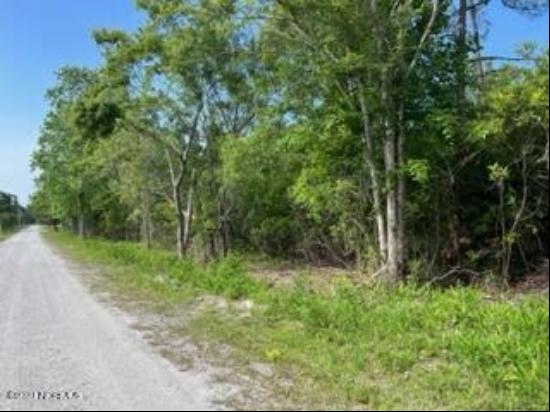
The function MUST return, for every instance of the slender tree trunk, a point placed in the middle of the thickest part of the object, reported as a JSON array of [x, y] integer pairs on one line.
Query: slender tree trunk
[[453, 221], [145, 227], [145, 200], [225, 240], [368, 158], [177, 183], [390, 152], [462, 51], [188, 214], [212, 245], [180, 222], [391, 204], [461, 70], [223, 226], [393, 214], [80, 218], [81, 224], [401, 196], [508, 235], [502, 226], [477, 40]]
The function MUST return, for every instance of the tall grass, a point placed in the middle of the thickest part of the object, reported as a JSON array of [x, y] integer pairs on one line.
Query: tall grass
[[384, 348], [159, 272]]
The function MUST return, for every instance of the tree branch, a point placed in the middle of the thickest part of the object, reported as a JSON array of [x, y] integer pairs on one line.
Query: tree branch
[[501, 58], [425, 35]]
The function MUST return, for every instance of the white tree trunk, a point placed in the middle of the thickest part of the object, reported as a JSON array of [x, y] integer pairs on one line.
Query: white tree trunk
[[391, 204], [368, 157]]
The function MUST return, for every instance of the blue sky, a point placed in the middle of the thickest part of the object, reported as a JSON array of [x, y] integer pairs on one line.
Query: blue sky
[[36, 38], [39, 36]]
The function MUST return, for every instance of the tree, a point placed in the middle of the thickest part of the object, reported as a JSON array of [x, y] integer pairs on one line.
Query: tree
[[367, 52], [337, 131]]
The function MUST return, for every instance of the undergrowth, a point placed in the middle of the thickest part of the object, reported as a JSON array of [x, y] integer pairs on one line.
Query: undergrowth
[[381, 347]]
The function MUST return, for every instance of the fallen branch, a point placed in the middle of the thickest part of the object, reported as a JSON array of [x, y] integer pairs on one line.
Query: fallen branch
[[457, 270]]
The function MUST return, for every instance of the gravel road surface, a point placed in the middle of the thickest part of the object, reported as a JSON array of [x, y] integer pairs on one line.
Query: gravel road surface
[[60, 349]]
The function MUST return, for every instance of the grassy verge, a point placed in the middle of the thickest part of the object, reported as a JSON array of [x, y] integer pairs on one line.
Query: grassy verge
[[6, 233], [354, 346]]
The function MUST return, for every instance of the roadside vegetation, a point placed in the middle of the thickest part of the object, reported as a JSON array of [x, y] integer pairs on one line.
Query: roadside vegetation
[[12, 215], [374, 136], [4, 234], [349, 344]]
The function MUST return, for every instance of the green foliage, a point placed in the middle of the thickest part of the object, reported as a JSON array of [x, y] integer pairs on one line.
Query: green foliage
[[257, 172], [8, 212], [319, 131], [161, 272], [419, 170], [497, 173], [326, 131], [227, 277], [406, 348], [216, 132]]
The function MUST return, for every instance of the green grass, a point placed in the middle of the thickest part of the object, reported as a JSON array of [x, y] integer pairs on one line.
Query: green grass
[[371, 346], [6, 233]]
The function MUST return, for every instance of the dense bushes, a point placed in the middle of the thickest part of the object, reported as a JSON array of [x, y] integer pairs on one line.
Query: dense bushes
[[12, 213], [315, 140]]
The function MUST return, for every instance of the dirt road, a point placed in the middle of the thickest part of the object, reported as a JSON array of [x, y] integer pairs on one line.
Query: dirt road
[[60, 349]]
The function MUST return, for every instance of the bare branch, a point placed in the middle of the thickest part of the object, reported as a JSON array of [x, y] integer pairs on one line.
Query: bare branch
[[458, 270], [425, 35], [141, 130], [501, 58], [480, 3]]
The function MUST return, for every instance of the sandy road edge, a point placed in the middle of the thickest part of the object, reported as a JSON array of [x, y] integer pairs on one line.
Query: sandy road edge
[[240, 386]]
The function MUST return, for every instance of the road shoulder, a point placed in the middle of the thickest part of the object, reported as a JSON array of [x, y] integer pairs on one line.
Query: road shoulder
[[168, 329]]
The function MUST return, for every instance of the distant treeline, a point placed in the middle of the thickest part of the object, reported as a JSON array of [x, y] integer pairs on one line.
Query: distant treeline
[[11, 212]]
